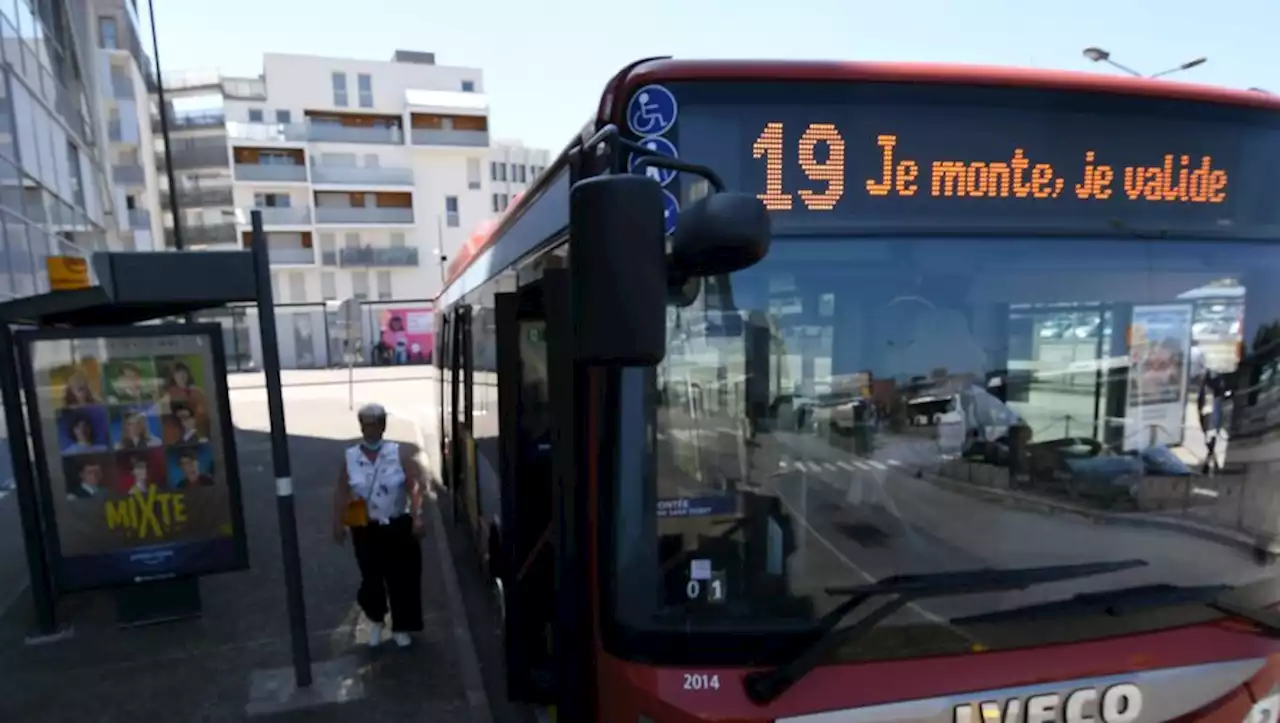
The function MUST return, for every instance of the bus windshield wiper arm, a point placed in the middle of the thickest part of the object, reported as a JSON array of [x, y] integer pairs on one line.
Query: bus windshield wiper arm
[[1126, 601], [765, 686]]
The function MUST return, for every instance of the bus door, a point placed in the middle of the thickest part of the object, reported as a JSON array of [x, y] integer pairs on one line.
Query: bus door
[[526, 571], [460, 424]]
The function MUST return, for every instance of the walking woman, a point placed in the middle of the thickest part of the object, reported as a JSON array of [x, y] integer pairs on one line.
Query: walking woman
[[379, 498]]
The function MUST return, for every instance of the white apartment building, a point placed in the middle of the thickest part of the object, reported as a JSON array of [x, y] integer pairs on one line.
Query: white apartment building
[[123, 93], [369, 176]]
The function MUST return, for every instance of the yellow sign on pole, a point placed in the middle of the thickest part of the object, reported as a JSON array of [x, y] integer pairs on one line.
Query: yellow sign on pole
[[68, 272]]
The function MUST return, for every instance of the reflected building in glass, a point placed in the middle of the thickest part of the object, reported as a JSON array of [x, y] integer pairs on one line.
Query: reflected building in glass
[[57, 159]]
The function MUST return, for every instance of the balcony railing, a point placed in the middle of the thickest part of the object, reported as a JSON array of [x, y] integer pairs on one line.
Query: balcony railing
[[201, 235], [185, 158], [363, 215], [276, 215], [353, 134], [122, 86], [294, 132], [203, 198], [439, 137], [129, 174], [287, 255], [370, 256], [139, 218], [269, 172], [321, 173], [205, 119]]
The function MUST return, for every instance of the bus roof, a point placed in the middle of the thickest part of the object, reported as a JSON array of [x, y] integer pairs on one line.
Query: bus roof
[[659, 70]]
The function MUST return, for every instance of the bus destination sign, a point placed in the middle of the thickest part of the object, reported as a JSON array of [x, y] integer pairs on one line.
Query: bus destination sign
[[974, 166]]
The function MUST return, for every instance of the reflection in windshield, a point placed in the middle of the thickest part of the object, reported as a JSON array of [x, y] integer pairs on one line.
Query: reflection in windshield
[[857, 409]]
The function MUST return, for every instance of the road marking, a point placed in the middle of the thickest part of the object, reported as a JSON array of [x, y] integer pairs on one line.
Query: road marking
[[846, 466], [876, 464], [861, 464], [893, 462], [867, 576], [831, 467]]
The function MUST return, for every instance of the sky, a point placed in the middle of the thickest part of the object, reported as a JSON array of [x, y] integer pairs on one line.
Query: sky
[[545, 63]]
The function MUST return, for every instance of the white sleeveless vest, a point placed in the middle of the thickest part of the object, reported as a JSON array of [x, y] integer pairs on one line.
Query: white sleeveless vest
[[380, 483]]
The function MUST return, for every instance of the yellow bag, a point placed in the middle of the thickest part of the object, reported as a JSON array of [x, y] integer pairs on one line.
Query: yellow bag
[[357, 514]]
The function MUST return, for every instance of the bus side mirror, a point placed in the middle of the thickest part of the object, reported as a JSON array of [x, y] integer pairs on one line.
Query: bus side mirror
[[618, 264], [719, 234]]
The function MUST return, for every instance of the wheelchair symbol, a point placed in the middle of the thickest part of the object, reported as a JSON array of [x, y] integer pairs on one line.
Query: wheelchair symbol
[[652, 111]]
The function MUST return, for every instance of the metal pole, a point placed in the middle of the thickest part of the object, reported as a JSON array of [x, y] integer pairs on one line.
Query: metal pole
[[280, 458], [28, 496], [164, 133]]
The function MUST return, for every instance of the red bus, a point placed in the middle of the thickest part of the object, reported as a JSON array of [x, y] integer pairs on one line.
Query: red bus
[[631, 363]]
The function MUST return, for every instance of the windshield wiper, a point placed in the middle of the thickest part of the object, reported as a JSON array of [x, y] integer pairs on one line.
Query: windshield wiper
[[765, 686], [1223, 599]]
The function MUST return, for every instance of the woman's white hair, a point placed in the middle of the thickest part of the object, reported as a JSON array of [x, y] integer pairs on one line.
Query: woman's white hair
[[372, 412]]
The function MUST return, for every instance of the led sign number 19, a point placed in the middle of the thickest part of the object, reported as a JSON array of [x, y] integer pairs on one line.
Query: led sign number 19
[[770, 146]]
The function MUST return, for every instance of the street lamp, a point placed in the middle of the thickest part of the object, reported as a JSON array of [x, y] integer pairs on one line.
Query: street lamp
[[1098, 55]]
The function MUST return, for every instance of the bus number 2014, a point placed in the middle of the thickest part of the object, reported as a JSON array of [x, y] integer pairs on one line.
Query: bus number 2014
[[701, 681]]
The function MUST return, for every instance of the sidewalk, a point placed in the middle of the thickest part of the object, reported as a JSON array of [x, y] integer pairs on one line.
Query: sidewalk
[[223, 666]]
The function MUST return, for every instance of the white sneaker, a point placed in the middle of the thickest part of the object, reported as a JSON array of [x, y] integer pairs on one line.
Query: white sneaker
[[402, 639], [375, 634]]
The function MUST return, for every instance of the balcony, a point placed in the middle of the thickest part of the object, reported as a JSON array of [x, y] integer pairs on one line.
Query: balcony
[[270, 172], [130, 175], [268, 132], [194, 121], [334, 133], [287, 255], [139, 219], [199, 198], [349, 175], [201, 236], [439, 137], [370, 256], [122, 86], [186, 158], [276, 215], [364, 215]]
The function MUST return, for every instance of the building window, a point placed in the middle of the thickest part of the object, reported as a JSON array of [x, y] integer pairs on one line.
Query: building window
[[255, 115], [497, 205], [451, 218], [283, 116], [328, 251], [360, 285], [384, 285], [513, 172], [364, 82], [397, 240], [468, 86], [502, 171], [328, 286], [272, 200], [297, 287], [523, 171], [108, 33], [504, 202], [493, 171], [340, 89], [473, 173]]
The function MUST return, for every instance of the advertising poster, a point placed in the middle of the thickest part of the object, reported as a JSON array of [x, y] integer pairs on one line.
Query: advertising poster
[[134, 440], [406, 334], [1159, 350]]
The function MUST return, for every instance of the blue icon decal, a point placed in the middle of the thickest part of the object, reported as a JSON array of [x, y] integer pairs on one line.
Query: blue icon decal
[[660, 146], [652, 111], [670, 210]]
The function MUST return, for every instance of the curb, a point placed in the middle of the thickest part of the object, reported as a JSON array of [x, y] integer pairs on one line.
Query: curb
[[468, 660], [1222, 537]]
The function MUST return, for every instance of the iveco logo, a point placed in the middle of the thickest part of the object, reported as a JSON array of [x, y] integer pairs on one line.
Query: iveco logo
[[1117, 704]]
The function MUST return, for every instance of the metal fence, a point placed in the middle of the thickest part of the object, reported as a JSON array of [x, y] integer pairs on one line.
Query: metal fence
[[308, 337]]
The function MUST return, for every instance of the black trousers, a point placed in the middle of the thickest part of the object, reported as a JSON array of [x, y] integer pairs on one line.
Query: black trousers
[[390, 561]]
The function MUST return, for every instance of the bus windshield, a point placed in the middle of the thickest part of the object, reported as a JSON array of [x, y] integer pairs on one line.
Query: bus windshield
[[855, 408]]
